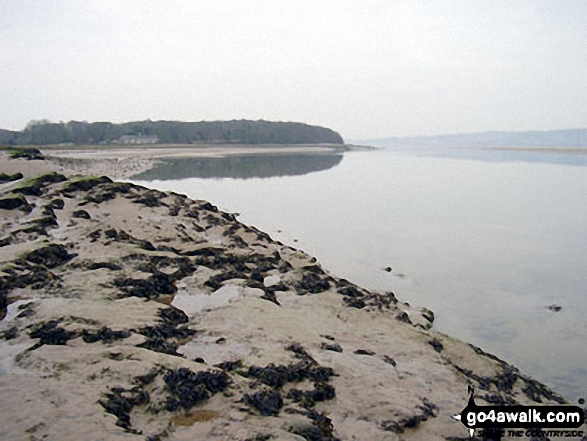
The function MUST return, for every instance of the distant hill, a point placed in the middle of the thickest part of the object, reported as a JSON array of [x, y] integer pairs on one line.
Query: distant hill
[[7, 136], [539, 139], [170, 132]]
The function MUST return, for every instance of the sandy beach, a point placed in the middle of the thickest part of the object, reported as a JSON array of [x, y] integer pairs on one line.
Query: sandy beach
[[130, 313]]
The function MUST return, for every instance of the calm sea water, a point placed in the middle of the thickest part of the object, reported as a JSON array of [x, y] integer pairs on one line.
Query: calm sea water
[[487, 240]]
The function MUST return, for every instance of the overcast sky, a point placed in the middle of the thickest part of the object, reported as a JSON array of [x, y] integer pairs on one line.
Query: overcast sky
[[364, 68]]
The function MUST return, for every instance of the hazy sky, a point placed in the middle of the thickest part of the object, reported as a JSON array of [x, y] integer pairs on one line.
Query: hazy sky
[[363, 68]]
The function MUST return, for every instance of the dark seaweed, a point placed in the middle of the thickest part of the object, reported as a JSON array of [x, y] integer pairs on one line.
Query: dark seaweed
[[49, 333], [105, 335], [267, 402], [188, 388], [120, 403]]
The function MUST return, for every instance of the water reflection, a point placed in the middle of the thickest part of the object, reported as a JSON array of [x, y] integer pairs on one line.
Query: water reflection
[[576, 157], [241, 167]]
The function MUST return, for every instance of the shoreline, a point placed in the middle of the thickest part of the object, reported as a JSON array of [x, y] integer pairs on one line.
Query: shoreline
[[124, 162], [274, 344]]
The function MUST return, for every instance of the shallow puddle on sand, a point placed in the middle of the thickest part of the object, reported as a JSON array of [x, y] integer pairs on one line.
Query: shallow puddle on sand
[[10, 350], [12, 310], [195, 416], [192, 303]]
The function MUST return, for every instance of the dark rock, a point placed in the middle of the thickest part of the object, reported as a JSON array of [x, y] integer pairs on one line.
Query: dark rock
[[210, 251], [300, 352], [388, 269], [279, 287], [26, 310], [56, 204], [10, 178], [13, 202], [269, 292], [51, 256], [428, 315], [260, 437], [41, 224], [95, 235], [335, 347], [267, 402], [107, 265], [215, 282], [85, 183], [81, 214], [98, 196], [229, 217], [28, 153], [312, 283], [173, 316], [111, 233], [105, 335], [209, 207], [50, 334], [364, 352], [256, 275], [36, 186], [389, 360], [436, 344], [120, 187], [314, 269], [151, 198], [488, 355], [229, 365], [350, 291], [404, 317], [10, 333], [354, 302]]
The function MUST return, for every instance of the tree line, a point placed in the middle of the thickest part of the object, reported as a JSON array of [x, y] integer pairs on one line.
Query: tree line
[[45, 132]]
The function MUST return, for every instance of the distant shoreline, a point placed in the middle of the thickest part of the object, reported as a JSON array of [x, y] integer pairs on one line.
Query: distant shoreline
[[125, 162]]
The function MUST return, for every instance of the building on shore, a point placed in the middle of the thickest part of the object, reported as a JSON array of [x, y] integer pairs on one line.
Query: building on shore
[[138, 139]]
